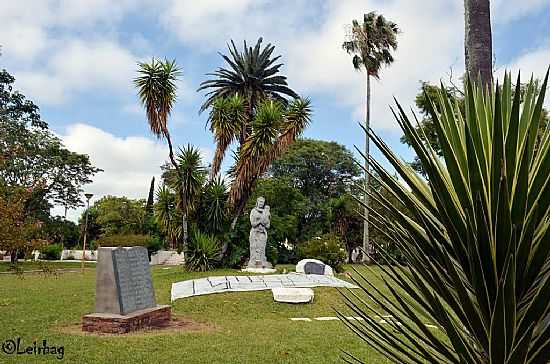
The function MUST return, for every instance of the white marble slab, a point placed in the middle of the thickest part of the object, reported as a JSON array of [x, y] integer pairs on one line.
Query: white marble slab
[[220, 284], [292, 295]]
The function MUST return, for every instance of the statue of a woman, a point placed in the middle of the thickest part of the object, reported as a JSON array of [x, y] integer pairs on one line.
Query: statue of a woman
[[259, 219]]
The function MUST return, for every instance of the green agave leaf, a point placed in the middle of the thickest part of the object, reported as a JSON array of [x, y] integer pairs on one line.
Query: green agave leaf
[[475, 237]]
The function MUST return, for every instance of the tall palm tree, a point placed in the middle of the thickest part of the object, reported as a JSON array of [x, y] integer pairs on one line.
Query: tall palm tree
[[156, 84], [252, 75], [478, 49], [370, 43]]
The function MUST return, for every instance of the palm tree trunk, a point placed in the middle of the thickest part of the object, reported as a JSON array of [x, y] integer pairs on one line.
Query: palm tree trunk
[[366, 244], [477, 43], [238, 212], [181, 192]]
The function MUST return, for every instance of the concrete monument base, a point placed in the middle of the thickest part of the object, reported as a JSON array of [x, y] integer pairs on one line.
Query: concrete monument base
[[111, 323], [259, 270]]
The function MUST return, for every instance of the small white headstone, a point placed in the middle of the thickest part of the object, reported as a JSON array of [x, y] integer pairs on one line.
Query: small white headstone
[[324, 269], [292, 295]]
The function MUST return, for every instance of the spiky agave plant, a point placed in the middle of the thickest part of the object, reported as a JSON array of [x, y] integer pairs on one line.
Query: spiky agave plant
[[203, 252], [476, 238]]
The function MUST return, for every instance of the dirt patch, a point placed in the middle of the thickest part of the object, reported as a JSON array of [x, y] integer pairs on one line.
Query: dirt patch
[[178, 324]]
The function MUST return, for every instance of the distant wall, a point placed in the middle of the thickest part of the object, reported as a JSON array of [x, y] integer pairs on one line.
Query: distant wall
[[77, 254]]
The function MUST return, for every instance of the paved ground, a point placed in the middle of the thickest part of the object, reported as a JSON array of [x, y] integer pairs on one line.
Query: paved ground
[[196, 287]]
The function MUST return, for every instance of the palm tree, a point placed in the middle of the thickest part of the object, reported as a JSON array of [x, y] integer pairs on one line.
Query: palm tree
[[478, 48], [188, 178], [213, 212], [167, 215], [476, 237], [253, 75], [274, 128], [227, 117], [371, 44], [156, 84]]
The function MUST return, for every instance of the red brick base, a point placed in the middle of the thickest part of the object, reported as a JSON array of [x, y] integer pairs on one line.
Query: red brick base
[[118, 324]]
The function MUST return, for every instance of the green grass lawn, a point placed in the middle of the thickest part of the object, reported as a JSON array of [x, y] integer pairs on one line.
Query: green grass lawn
[[247, 327]]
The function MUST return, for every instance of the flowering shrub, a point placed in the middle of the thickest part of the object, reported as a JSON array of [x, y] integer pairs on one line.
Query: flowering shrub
[[327, 248]]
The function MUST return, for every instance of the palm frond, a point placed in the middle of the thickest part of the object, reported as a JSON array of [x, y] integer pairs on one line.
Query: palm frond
[[156, 86], [371, 43], [227, 117], [251, 75]]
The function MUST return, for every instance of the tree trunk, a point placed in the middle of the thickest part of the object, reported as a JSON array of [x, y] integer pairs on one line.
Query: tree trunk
[[181, 192], [238, 212], [366, 244], [478, 49], [13, 256]]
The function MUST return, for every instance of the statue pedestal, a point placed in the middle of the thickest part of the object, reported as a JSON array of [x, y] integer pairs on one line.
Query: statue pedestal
[[259, 270], [260, 267]]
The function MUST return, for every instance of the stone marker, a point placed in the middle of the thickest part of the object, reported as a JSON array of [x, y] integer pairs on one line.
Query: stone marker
[[313, 266], [259, 221], [125, 298], [293, 295]]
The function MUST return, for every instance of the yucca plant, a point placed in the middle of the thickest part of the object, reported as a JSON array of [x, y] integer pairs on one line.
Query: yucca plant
[[476, 238], [167, 216], [213, 211], [274, 128], [202, 253]]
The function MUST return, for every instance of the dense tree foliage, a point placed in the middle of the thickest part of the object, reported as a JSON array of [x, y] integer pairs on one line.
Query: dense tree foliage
[[319, 169], [119, 215], [310, 189], [33, 156], [20, 233]]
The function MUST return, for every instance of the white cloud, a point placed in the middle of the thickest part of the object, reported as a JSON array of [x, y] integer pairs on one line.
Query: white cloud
[[504, 11], [57, 48], [310, 39], [210, 24], [534, 63], [422, 54], [77, 66], [128, 163]]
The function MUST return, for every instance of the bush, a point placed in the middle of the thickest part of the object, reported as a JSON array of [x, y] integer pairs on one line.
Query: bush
[[52, 252], [327, 248], [203, 252], [124, 240], [271, 252]]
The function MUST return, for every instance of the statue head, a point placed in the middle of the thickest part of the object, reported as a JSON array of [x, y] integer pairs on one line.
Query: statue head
[[260, 202]]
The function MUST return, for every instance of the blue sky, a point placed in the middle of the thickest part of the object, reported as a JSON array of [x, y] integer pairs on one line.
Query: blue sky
[[76, 59]]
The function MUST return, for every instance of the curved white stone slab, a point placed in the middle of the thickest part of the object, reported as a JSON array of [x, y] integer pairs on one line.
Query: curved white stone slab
[[202, 286]]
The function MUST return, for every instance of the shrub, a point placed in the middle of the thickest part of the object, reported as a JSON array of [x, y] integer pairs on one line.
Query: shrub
[[52, 252], [327, 248], [124, 240], [203, 252], [477, 241], [271, 252]]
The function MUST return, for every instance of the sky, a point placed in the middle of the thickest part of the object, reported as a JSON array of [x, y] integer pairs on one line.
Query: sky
[[76, 59]]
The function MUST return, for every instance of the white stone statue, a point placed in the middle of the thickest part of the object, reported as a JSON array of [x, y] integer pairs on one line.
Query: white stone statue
[[259, 219]]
